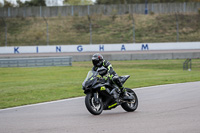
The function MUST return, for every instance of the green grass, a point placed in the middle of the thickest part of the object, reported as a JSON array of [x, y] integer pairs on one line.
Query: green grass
[[105, 29], [21, 86]]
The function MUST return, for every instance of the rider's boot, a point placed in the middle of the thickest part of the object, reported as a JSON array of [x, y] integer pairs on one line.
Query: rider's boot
[[124, 94]]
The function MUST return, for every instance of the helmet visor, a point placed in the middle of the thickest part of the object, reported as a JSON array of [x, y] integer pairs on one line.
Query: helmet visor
[[95, 62]]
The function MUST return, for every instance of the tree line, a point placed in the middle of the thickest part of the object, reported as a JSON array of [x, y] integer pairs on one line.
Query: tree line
[[140, 1]]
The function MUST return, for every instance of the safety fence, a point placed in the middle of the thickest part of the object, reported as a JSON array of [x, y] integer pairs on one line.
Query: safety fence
[[36, 62], [186, 7]]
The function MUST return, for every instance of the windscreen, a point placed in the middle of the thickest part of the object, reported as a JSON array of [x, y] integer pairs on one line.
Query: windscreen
[[90, 74]]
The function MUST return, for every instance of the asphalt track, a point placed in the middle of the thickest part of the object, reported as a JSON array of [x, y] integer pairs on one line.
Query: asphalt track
[[173, 108]]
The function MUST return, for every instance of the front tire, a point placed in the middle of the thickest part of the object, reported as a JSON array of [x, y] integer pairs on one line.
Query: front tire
[[130, 105], [93, 107]]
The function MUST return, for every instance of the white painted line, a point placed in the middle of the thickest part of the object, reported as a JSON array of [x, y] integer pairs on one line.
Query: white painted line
[[37, 104], [156, 86]]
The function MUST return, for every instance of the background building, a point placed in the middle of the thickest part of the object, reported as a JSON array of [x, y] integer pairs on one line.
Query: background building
[[48, 2]]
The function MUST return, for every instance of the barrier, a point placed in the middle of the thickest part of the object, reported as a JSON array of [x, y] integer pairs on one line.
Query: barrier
[[100, 47], [141, 56], [39, 11], [36, 62]]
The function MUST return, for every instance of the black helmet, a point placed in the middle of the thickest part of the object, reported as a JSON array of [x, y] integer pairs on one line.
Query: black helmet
[[97, 60]]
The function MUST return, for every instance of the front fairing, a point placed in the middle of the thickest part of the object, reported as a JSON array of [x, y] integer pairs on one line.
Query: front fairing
[[90, 75], [94, 81], [90, 80]]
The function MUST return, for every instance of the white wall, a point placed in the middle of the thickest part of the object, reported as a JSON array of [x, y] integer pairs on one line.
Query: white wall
[[99, 47]]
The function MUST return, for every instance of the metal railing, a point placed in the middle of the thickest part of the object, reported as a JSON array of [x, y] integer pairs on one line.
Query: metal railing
[[39, 11], [36, 62]]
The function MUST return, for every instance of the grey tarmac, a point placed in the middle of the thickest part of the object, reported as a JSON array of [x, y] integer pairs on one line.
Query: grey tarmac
[[173, 108]]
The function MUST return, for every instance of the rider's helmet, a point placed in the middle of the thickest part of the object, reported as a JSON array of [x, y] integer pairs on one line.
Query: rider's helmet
[[97, 60]]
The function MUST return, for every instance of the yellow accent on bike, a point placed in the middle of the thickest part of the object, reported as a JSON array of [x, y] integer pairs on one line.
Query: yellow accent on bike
[[103, 88], [112, 105]]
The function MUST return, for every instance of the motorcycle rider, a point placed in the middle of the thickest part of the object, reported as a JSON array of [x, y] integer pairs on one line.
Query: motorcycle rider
[[98, 61]]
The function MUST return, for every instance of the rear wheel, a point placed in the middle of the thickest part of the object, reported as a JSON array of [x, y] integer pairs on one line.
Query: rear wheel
[[130, 105], [92, 106]]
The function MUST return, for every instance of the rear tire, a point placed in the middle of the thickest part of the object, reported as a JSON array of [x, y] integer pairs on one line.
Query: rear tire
[[130, 105], [93, 108]]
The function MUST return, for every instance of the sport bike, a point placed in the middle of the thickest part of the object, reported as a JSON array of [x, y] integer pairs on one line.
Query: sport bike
[[102, 94]]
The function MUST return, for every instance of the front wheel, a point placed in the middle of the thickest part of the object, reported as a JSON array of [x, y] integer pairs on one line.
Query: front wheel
[[92, 106], [130, 105]]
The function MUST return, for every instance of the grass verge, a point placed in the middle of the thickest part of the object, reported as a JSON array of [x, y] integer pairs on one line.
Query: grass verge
[[21, 86], [105, 29]]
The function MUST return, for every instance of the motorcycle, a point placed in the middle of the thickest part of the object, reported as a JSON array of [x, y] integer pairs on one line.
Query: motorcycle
[[102, 94]]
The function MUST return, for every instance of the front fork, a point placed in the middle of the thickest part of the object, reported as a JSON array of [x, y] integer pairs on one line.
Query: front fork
[[96, 97]]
